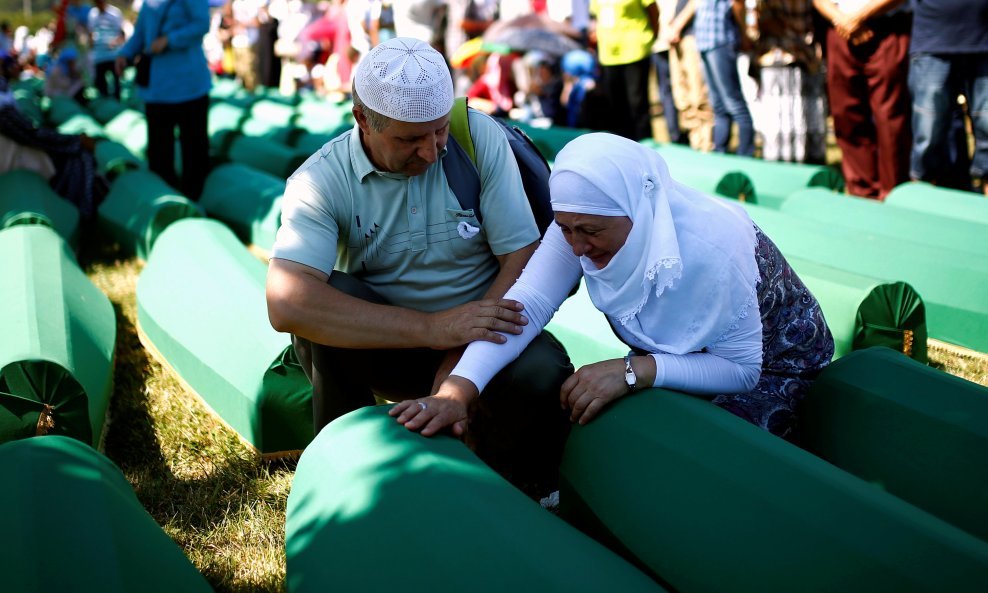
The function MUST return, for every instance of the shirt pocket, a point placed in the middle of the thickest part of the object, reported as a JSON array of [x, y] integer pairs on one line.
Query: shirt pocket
[[464, 232]]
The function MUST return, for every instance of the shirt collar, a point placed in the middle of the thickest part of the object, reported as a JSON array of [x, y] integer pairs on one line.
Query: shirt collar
[[362, 165]]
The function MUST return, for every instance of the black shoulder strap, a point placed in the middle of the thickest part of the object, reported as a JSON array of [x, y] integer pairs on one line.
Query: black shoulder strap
[[462, 177]]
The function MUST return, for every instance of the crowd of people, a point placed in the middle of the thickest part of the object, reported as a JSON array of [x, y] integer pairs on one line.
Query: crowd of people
[[728, 72]]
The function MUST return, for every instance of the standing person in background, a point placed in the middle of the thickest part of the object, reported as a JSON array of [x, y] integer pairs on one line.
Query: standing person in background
[[667, 11], [246, 20], [949, 56], [720, 33], [625, 31], [867, 81], [791, 83], [106, 34], [177, 96], [689, 89]]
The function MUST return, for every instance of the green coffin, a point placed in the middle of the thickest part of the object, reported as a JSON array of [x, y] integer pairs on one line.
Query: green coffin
[[871, 216], [225, 117], [264, 154], [26, 198], [104, 109], [267, 116], [919, 433], [862, 311], [584, 331], [138, 208], [201, 305], [74, 525], [711, 503], [949, 203], [954, 285], [247, 200], [322, 117], [129, 128], [61, 109], [56, 349], [82, 123], [375, 507], [773, 181], [309, 143], [113, 158], [549, 141]]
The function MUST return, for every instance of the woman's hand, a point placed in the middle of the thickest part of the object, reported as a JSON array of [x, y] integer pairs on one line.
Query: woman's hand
[[592, 388], [159, 45], [449, 407]]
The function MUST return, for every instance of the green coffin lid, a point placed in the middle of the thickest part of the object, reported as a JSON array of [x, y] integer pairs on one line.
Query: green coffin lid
[[224, 117], [711, 503], [549, 141], [26, 197], [309, 143], [113, 158], [74, 525], [266, 155], [139, 207], [584, 331], [266, 116], [129, 128], [247, 200], [104, 109], [201, 304], [954, 286], [59, 332], [82, 123], [872, 216], [324, 118], [862, 311], [773, 181], [949, 203], [365, 487], [61, 109], [919, 433]]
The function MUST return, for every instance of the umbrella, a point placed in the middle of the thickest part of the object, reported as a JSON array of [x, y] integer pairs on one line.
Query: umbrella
[[525, 39]]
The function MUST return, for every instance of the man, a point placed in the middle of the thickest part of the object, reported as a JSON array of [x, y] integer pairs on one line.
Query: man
[[106, 34], [626, 30], [689, 88], [867, 70], [949, 57], [416, 277]]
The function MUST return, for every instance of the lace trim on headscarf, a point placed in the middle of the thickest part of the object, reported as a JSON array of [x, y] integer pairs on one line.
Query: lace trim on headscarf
[[742, 314], [650, 275]]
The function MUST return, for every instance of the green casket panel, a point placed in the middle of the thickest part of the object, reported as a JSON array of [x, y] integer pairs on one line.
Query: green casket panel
[[75, 525], [915, 431], [247, 200], [711, 503], [26, 198], [949, 203], [201, 303], [871, 216], [265, 155], [104, 109], [954, 286], [130, 128], [113, 158], [376, 507], [61, 109], [56, 354], [139, 207]]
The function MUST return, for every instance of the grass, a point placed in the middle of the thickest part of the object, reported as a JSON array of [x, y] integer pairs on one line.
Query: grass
[[211, 493]]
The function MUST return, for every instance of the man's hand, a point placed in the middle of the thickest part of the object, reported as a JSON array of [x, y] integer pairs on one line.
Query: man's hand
[[591, 388], [847, 25], [449, 407], [863, 35], [159, 45], [476, 320]]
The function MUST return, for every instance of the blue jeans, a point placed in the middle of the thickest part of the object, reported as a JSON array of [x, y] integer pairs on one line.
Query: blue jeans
[[720, 66], [935, 81]]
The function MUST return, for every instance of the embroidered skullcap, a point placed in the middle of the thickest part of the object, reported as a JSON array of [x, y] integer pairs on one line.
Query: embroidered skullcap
[[406, 80]]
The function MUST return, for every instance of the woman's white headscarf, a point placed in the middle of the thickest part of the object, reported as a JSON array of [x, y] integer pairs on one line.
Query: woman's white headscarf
[[687, 272]]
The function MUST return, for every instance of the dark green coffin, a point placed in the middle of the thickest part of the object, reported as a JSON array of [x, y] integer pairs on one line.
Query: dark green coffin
[[139, 207], [950, 203], [954, 285], [711, 503], [201, 307], [62, 108], [264, 154], [104, 109], [56, 348], [225, 117], [268, 117], [375, 507], [323, 117], [113, 158], [862, 311], [871, 216], [74, 525], [247, 200], [130, 128], [82, 123], [26, 198], [917, 432]]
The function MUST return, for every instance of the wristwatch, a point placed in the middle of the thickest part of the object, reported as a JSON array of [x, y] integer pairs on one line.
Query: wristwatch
[[629, 374]]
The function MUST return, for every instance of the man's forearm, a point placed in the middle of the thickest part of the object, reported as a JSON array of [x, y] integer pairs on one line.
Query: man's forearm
[[877, 8]]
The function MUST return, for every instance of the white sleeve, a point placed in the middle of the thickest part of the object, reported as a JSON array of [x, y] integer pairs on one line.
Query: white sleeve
[[732, 365], [542, 288]]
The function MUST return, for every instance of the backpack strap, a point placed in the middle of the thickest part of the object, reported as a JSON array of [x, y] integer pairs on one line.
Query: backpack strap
[[460, 162]]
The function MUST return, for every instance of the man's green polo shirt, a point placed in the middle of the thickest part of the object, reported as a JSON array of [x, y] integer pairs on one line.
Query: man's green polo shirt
[[406, 237]]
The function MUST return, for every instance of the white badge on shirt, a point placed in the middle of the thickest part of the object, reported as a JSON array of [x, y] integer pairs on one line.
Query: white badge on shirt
[[467, 230]]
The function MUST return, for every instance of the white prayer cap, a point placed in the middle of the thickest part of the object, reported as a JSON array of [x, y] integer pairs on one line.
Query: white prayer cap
[[406, 80]]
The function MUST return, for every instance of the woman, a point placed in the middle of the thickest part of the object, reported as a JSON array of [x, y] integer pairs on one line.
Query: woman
[[169, 33], [680, 276]]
